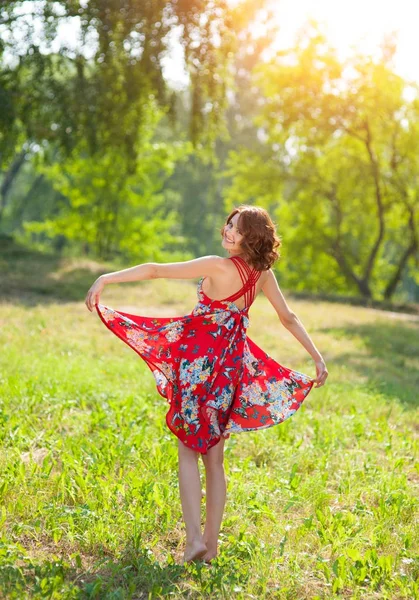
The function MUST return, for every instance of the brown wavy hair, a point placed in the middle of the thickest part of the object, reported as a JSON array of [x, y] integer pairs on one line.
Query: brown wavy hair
[[260, 241]]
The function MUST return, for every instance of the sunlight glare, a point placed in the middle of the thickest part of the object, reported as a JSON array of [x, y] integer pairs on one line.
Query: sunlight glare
[[359, 25]]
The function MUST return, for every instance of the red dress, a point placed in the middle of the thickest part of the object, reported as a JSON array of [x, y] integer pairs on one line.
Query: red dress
[[216, 380]]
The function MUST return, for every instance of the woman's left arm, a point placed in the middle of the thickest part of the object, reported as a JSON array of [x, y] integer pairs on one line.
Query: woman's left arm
[[291, 322], [189, 269]]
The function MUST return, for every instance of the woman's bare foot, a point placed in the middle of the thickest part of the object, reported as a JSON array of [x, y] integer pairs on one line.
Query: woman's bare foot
[[194, 551], [209, 557], [210, 554]]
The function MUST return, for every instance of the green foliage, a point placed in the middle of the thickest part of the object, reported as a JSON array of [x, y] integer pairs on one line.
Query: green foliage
[[112, 211], [99, 91]]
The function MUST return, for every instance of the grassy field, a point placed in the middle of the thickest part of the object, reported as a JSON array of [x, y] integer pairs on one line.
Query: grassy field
[[324, 505]]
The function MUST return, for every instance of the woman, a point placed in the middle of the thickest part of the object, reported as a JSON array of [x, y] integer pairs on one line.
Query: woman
[[216, 380]]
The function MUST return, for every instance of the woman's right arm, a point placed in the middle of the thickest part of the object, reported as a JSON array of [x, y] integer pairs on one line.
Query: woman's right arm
[[189, 269], [291, 322]]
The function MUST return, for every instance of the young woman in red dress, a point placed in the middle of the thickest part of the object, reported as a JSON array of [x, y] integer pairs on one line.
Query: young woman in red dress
[[216, 380]]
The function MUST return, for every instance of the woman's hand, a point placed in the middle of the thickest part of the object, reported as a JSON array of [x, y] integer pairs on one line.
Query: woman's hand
[[93, 295], [321, 372]]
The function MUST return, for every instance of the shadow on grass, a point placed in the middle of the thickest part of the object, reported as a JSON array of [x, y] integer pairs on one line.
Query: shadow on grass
[[392, 362], [139, 576], [135, 574], [142, 577]]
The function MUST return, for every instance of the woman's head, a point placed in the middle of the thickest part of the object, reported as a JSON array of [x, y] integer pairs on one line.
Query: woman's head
[[249, 231]]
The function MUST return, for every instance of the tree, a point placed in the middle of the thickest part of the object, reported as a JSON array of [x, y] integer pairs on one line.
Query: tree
[[340, 162]]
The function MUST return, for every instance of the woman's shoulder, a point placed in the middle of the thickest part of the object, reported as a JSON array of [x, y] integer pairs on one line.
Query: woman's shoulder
[[218, 262]]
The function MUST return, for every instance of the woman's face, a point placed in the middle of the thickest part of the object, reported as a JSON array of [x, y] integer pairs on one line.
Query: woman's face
[[232, 235]]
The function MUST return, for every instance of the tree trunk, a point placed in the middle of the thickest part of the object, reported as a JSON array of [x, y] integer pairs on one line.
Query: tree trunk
[[336, 250], [362, 284], [9, 178], [25, 200], [392, 284], [410, 250]]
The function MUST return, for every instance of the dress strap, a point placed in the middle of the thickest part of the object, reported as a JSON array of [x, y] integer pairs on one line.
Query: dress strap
[[249, 278]]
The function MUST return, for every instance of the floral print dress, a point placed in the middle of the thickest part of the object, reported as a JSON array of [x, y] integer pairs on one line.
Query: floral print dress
[[216, 380]]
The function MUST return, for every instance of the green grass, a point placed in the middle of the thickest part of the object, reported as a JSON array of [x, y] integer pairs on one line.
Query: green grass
[[324, 505]]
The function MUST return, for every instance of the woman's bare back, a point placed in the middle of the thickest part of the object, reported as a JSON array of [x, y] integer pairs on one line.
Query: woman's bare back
[[228, 282]]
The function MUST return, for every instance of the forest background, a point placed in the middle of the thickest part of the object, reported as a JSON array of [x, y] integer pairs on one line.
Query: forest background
[[102, 157]]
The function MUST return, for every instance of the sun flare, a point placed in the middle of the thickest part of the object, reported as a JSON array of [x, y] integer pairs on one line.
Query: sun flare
[[357, 25]]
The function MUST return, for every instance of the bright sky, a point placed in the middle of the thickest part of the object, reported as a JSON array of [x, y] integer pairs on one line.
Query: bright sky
[[358, 23], [348, 24]]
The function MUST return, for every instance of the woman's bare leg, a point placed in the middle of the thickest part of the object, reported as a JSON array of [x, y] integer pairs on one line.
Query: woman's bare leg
[[215, 496], [190, 496]]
